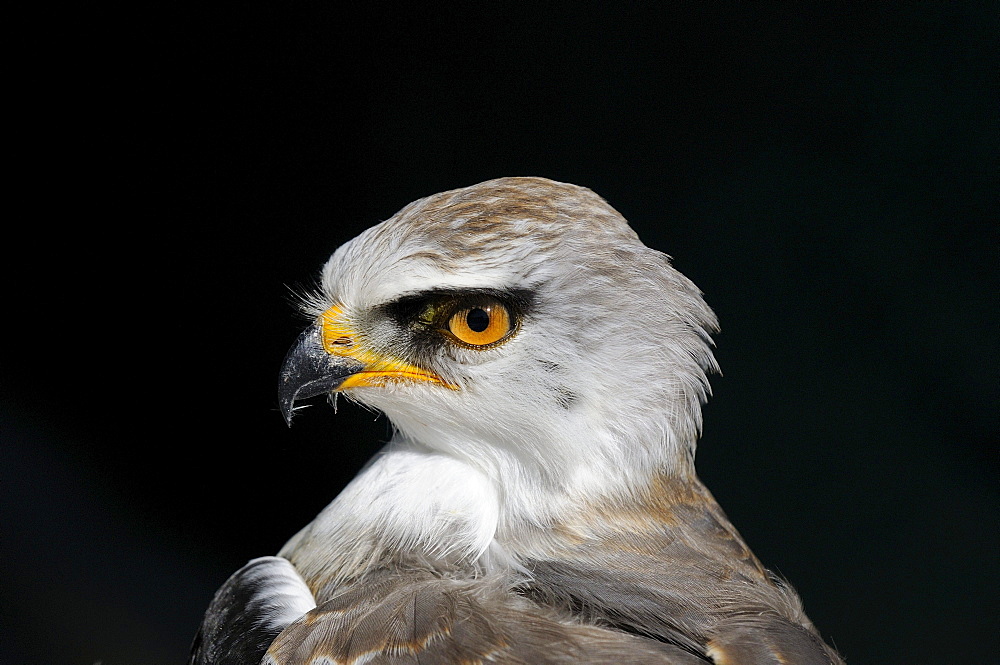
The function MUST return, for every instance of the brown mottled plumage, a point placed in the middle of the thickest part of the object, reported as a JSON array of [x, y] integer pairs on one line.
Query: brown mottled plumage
[[545, 372], [417, 616]]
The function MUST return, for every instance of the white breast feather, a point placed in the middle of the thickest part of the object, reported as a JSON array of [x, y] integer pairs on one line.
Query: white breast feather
[[407, 501]]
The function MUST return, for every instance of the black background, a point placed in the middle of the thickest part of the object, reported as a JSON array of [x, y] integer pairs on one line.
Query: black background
[[827, 174]]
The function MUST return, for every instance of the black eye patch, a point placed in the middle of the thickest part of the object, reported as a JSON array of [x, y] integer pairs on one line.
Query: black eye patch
[[432, 309], [423, 317]]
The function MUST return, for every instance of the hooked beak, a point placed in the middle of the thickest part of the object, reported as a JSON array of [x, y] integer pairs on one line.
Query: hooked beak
[[309, 370], [330, 355]]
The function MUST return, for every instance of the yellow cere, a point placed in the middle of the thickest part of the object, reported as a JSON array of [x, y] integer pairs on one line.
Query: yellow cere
[[340, 339]]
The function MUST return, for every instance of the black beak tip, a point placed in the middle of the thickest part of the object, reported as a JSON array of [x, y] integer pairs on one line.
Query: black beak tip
[[287, 406], [287, 393]]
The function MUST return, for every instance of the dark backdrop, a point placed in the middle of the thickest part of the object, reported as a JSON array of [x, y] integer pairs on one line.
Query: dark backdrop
[[826, 174]]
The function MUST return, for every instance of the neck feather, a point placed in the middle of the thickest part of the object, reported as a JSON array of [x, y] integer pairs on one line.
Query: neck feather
[[420, 506]]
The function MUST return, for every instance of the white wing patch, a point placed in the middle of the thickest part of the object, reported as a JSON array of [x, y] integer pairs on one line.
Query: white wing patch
[[255, 604], [280, 592]]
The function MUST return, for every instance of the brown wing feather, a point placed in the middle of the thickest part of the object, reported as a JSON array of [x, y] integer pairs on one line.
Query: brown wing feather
[[419, 617], [675, 569], [767, 639]]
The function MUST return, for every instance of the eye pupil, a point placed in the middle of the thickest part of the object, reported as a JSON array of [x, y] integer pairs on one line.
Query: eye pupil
[[478, 320]]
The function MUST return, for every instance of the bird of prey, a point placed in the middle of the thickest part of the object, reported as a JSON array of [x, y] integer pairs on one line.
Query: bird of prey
[[544, 373]]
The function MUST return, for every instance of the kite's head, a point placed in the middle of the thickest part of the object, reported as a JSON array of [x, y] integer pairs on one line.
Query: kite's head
[[518, 321]]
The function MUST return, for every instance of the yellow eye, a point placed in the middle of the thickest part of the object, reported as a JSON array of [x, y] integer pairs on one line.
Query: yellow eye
[[481, 326]]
